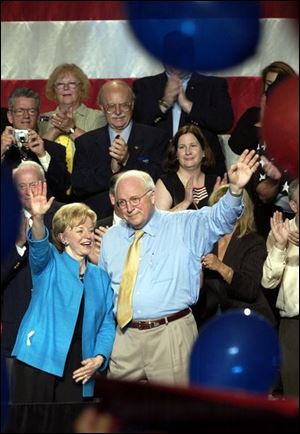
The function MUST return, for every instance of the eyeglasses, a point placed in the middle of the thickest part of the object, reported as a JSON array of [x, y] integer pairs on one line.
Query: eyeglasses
[[60, 85], [24, 185], [133, 201], [123, 106], [22, 111]]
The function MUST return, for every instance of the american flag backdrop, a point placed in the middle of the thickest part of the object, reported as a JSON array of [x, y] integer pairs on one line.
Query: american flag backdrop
[[36, 36]]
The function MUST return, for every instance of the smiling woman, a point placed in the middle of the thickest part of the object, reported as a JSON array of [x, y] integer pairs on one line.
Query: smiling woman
[[69, 86], [56, 357]]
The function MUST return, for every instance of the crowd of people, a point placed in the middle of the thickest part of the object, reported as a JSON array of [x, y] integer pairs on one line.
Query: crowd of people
[[134, 233]]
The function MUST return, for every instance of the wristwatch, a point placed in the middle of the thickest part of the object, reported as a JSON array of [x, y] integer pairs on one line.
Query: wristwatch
[[72, 130], [164, 103]]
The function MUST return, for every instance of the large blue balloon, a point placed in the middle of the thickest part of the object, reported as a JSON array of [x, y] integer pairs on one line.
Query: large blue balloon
[[236, 351], [196, 35]]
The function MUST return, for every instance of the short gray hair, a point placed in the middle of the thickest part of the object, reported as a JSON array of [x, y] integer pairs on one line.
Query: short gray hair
[[25, 92], [137, 174], [30, 165]]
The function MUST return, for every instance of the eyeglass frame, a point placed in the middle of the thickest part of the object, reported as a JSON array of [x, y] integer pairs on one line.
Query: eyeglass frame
[[60, 85], [22, 111], [124, 106], [23, 185], [137, 199]]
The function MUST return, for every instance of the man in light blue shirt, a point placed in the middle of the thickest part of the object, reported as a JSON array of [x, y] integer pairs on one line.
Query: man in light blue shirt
[[155, 345]]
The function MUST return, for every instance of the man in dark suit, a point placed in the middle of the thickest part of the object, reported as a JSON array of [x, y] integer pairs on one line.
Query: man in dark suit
[[121, 145], [23, 113], [175, 98], [16, 283], [105, 223]]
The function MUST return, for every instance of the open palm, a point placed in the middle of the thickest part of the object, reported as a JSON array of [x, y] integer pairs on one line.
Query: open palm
[[38, 203], [240, 172]]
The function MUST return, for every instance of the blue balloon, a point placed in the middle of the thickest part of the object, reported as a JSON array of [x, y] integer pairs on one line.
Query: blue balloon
[[10, 212], [237, 350], [195, 35]]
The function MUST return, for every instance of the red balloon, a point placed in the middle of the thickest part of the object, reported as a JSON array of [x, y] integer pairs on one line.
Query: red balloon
[[281, 125]]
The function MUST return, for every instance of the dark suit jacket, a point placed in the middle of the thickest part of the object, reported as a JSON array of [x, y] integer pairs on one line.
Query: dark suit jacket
[[92, 163], [106, 221], [211, 110], [16, 285], [57, 176], [245, 256]]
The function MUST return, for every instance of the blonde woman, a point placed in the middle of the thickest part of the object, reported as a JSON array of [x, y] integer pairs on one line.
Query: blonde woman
[[233, 271], [69, 86], [68, 330]]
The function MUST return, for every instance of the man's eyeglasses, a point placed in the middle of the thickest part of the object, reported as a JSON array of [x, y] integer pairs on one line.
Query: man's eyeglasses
[[133, 201], [123, 106], [24, 185], [60, 85], [22, 111]]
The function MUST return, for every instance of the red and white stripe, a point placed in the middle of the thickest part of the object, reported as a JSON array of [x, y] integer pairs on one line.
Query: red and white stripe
[[39, 35]]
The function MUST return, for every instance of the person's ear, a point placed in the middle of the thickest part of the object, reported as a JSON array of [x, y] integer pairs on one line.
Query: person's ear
[[62, 239], [9, 117], [152, 197], [112, 199], [293, 206]]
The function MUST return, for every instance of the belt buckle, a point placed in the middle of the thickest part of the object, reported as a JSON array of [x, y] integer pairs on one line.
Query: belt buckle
[[155, 324]]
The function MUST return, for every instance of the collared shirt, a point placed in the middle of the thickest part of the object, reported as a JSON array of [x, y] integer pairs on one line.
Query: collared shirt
[[116, 219], [124, 133], [282, 267], [171, 249], [21, 250], [176, 109]]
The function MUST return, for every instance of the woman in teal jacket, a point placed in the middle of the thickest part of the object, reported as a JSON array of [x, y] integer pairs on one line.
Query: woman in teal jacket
[[67, 333]]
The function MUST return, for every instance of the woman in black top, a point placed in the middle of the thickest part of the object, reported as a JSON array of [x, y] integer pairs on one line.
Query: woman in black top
[[185, 185]]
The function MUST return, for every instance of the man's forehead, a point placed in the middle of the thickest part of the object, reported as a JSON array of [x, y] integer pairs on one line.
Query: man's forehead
[[130, 185]]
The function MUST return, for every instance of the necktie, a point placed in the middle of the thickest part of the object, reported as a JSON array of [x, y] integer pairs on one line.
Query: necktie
[[65, 141], [124, 311]]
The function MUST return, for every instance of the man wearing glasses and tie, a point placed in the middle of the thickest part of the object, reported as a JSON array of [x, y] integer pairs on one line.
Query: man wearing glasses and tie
[[154, 260], [120, 145]]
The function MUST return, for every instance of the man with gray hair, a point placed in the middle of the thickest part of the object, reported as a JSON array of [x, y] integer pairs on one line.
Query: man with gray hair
[[21, 142], [120, 145], [154, 260], [16, 280]]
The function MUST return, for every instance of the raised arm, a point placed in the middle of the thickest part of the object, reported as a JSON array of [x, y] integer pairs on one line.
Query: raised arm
[[38, 206], [240, 172]]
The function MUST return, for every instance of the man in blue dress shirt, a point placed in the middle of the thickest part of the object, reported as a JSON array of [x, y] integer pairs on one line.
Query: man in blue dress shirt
[[156, 344]]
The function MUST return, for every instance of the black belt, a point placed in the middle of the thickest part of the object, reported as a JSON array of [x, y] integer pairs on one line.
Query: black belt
[[150, 324]]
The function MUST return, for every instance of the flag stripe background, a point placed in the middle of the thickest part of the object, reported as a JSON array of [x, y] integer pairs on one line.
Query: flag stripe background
[[37, 36]]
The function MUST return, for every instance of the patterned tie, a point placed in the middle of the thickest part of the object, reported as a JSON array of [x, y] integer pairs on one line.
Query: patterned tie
[[124, 311], [69, 145]]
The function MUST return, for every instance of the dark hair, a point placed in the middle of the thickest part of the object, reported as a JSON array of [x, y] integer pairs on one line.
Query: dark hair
[[278, 66], [171, 164]]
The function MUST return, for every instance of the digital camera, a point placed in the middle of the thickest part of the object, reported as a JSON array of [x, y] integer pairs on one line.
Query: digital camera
[[21, 136]]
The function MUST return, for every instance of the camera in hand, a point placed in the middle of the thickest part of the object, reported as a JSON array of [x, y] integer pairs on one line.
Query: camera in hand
[[21, 136]]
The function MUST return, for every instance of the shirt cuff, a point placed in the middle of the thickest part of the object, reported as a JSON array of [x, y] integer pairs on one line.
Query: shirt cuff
[[45, 161], [21, 250]]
